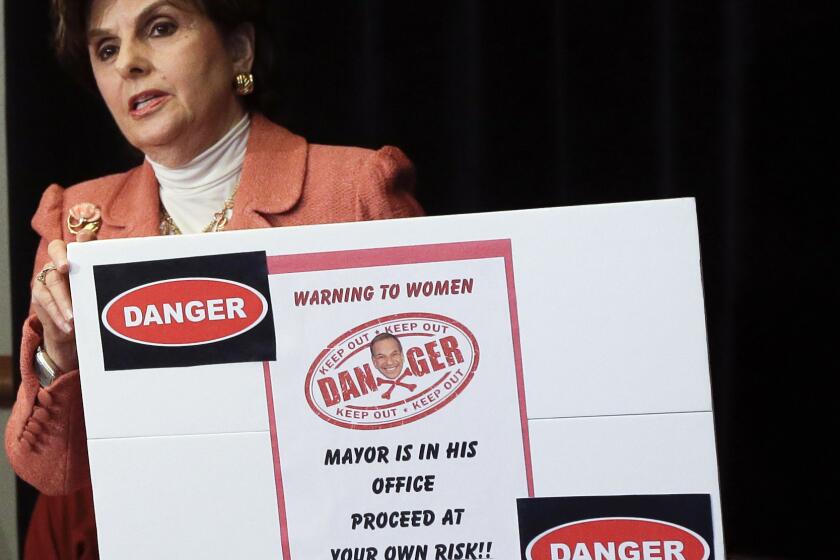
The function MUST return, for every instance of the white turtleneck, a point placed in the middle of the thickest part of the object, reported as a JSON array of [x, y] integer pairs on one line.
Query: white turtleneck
[[193, 193]]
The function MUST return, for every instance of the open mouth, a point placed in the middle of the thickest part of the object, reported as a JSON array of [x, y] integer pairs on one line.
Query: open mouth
[[145, 102], [142, 103]]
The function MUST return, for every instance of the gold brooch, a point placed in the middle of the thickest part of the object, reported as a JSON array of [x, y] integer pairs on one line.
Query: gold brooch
[[84, 217]]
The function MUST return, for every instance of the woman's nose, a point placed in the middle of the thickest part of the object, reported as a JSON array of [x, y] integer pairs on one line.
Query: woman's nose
[[132, 61]]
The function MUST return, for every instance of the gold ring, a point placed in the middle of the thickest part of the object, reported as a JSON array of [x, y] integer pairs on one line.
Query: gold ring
[[84, 217], [42, 276]]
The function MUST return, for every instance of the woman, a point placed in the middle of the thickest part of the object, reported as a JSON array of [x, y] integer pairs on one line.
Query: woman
[[176, 76]]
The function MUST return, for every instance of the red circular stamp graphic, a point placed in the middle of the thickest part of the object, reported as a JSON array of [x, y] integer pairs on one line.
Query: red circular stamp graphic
[[391, 371]]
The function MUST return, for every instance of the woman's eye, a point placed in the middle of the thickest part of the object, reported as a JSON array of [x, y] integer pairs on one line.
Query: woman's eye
[[162, 29], [106, 51]]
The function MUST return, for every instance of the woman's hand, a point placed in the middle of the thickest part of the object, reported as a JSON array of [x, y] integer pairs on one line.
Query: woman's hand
[[52, 303]]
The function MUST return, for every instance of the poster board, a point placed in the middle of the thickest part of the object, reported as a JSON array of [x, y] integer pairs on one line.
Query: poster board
[[235, 406]]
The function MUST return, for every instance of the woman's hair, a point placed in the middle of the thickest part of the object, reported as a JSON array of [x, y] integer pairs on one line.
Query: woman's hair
[[70, 20]]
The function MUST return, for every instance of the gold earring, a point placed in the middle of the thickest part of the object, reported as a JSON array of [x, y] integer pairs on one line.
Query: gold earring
[[244, 83]]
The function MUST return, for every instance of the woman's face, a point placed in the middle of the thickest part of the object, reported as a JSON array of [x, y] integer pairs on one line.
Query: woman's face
[[166, 74]]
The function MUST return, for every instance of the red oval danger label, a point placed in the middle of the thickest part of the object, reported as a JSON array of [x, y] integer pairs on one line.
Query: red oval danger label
[[184, 311], [392, 371], [618, 538]]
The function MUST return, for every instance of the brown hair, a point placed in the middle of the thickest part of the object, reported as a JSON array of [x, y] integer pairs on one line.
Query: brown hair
[[384, 336], [70, 21]]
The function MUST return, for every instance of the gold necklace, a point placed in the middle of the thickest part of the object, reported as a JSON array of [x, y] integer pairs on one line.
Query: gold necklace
[[220, 218]]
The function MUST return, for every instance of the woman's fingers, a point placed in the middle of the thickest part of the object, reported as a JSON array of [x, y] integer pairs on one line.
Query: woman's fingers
[[59, 287], [57, 283], [51, 299], [59, 336], [57, 249], [51, 289], [51, 302]]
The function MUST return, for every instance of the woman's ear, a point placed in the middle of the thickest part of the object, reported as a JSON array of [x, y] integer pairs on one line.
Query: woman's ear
[[241, 46]]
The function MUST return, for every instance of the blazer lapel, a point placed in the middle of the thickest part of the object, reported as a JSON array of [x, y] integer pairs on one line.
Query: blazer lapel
[[272, 175], [134, 206], [271, 183]]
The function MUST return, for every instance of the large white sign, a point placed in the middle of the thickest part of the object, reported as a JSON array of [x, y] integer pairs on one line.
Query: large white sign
[[401, 389]]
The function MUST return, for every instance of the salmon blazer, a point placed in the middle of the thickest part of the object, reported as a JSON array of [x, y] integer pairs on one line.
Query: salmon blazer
[[285, 182]]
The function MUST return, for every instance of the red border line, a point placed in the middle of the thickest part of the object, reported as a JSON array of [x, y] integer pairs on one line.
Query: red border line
[[388, 256], [517, 360], [275, 452]]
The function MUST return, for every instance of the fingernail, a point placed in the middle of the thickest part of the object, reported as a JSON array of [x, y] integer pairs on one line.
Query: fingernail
[[68, 314], [67, 328]]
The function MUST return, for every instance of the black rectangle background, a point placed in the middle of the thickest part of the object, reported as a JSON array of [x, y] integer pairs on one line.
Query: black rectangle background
[[255, 345], [692, 511]]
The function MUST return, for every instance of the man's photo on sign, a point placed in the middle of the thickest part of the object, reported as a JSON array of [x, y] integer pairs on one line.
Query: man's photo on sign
[[386, 352]]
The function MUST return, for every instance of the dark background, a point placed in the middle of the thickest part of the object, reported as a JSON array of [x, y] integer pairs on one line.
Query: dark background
[[506, 105]]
